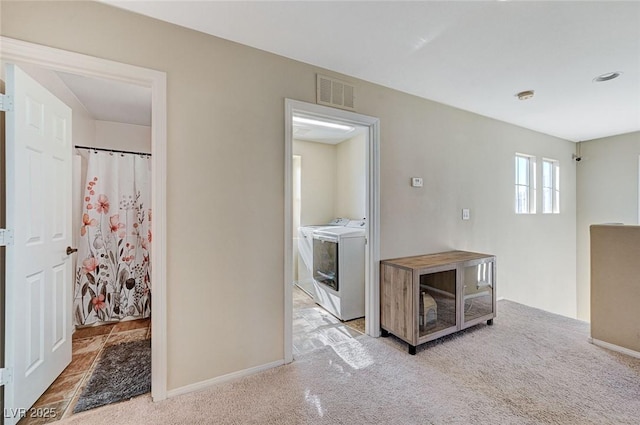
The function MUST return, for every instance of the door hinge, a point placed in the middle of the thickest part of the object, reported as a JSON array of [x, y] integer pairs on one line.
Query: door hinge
[[6, 103], [6, 376], [6, 237]]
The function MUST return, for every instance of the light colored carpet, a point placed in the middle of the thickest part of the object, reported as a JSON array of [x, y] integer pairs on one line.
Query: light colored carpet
[[531, 367]]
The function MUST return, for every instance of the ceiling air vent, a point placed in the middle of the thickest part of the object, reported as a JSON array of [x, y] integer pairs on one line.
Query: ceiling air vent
[[333, 92]]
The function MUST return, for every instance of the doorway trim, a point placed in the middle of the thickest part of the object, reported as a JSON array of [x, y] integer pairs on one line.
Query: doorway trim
[[372, 252], [90, 66]]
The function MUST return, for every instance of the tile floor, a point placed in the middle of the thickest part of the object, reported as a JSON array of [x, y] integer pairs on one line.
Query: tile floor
[[88, 343], [314, 327]]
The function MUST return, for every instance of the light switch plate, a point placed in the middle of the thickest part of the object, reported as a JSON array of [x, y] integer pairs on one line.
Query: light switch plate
[[416, 181], [466, 214]]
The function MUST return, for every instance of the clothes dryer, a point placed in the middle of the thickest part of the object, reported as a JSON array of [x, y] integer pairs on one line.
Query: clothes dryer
[[339, 269], [304, 279]]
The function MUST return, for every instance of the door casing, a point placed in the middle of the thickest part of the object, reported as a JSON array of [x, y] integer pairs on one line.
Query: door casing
[[372, 249], [12, 50]]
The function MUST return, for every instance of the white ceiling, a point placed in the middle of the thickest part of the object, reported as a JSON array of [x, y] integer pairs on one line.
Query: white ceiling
[[108, 100], [474, 55]]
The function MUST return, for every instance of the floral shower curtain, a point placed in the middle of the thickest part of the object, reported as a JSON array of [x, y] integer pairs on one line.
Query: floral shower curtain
[[113, 272]]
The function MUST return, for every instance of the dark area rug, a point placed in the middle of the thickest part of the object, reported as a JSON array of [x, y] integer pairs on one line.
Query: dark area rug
[[123, 371]]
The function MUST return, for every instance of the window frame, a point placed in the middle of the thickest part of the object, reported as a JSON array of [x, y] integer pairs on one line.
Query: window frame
[[530, 184], [554, 208]]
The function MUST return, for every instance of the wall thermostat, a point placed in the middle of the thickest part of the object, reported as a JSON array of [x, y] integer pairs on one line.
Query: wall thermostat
[[416, 181]]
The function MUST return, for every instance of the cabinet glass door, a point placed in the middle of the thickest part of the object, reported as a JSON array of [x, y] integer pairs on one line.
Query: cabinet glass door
[[437, 302], [477, 291]]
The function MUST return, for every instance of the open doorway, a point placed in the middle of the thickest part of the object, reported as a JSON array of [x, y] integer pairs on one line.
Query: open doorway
[[80, 67], [331, 227], [329, 223], [111, 283]]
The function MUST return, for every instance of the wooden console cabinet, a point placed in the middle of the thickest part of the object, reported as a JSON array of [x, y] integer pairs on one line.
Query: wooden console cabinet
[[429, 296]]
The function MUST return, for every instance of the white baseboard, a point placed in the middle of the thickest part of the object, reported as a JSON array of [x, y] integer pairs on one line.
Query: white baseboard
[[614, 347], [198, 386], [500, 298]]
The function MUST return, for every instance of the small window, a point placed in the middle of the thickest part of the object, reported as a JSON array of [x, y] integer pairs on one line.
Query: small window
[[550, 186], [525, 184]]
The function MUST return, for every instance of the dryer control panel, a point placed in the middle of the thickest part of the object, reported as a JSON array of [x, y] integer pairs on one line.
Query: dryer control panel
[[357, 223]]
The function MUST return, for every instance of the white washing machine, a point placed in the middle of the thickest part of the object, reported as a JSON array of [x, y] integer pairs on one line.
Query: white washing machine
[[338, 269], [305, 254]]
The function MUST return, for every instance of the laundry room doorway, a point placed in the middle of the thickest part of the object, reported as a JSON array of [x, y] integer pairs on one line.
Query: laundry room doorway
[[331, 226]]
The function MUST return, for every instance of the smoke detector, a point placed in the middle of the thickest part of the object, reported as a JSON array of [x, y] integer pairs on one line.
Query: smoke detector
[[525, 95]]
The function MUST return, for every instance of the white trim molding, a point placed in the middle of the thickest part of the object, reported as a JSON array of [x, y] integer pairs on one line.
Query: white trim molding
[[203, 385], [614, 347], [372, 253], [16, 51]]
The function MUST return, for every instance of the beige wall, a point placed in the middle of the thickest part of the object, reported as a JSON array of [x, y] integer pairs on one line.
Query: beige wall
[[467, 161], [351, 173], [333, 180], [318, 178], [121, 136], [225, 177], [607, 192], [615, 316]]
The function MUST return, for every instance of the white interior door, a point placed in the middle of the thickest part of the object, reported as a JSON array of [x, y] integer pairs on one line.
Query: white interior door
[[38, 270]]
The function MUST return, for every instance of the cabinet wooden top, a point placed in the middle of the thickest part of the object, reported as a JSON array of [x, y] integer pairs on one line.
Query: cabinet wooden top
[[435, 260]]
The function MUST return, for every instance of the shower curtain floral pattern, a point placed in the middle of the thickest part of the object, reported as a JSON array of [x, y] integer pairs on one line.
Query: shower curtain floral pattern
[[113, 272]]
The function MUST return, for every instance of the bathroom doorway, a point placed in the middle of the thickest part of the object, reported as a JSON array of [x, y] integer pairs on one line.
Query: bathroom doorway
[[61, 61]]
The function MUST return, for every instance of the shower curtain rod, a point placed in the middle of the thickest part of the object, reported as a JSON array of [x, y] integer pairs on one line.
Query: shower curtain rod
[[111, 150]]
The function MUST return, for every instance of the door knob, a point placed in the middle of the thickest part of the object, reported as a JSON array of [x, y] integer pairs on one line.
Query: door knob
[[71, 250]]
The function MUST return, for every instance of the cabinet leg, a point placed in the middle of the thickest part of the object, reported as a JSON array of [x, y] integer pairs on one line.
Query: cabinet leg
[[384, 333], [490, 322], [412, 350]]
